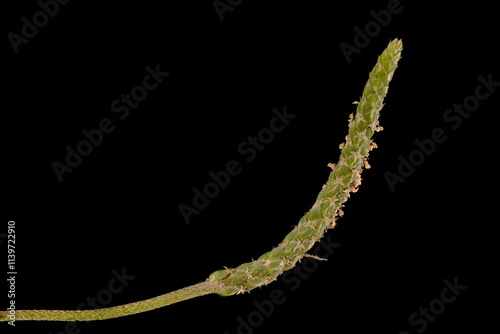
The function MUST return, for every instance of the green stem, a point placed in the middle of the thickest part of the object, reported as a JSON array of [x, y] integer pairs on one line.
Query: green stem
[[344, 178], [186, 293]]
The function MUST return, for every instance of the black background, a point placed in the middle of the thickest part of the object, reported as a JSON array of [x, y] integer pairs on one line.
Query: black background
[[119, 207]]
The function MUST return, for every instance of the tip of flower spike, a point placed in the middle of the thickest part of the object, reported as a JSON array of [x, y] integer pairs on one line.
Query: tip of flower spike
[[396, 46], [396, 43], [397, 40]]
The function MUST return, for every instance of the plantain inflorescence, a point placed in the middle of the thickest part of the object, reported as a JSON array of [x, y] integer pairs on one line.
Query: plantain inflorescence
[[344, 178]]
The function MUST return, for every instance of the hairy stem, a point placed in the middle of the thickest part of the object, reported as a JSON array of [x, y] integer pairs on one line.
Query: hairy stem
[[186, 293], [344, 178]]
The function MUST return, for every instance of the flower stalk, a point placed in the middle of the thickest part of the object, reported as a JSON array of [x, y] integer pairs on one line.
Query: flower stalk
[[343, 180]]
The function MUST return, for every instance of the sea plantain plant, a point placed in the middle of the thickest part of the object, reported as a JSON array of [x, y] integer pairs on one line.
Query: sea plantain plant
[[344, 178]]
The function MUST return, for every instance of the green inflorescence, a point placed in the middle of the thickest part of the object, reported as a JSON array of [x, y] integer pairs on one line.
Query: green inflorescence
[[344, 178]]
